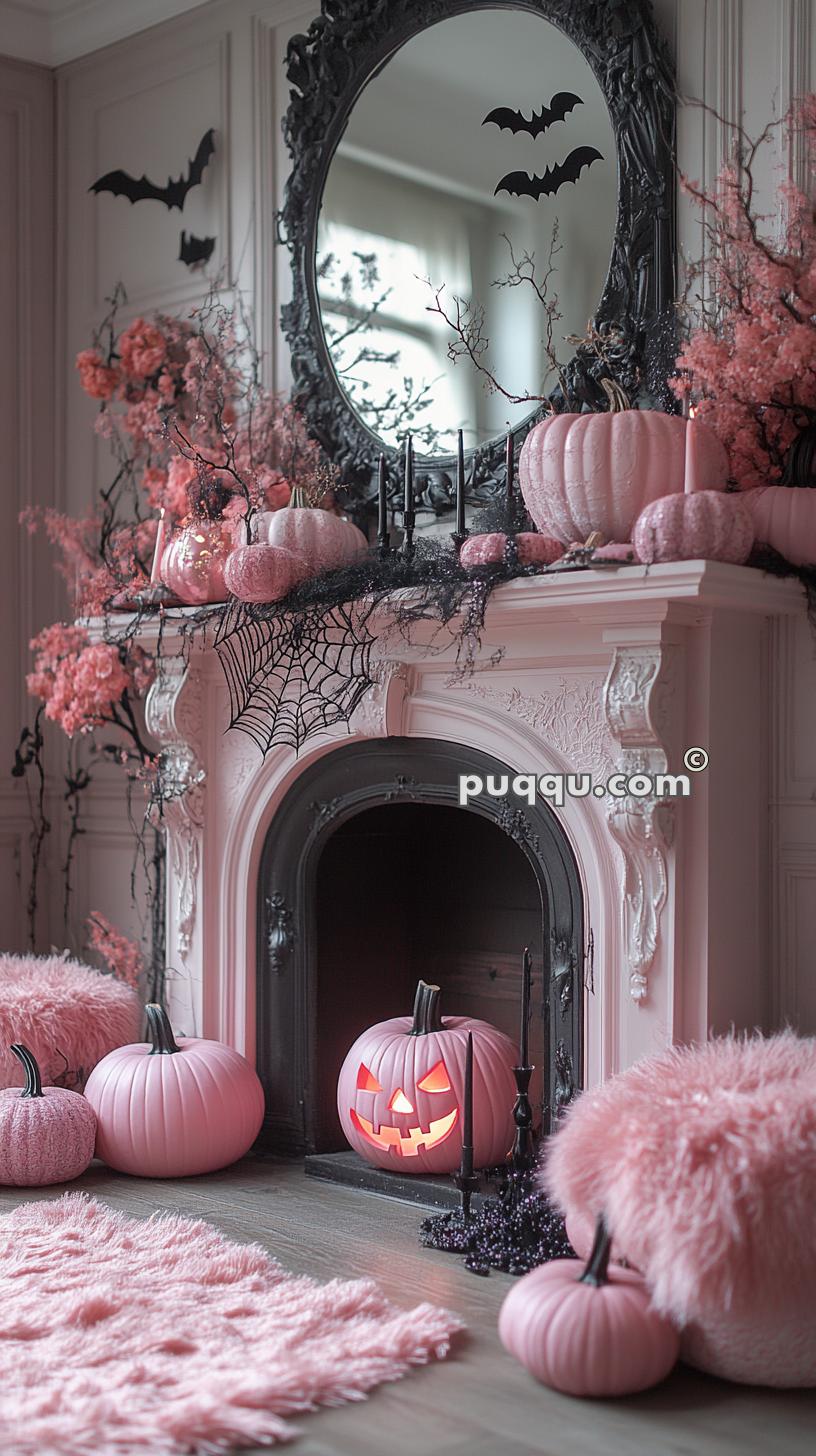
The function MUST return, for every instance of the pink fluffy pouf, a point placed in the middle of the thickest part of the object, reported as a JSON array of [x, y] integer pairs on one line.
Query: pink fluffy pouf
[[67, 1014], [160, 1335], [703, 1161]]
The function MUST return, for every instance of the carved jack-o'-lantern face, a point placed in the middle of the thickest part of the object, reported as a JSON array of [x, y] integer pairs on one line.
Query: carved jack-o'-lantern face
[[400, 1090], [406, 1139]]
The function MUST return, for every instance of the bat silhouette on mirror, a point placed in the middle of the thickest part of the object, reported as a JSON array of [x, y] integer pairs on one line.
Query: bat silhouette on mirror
[[521, 184], [137, 189], [195, 252], [540, 121]]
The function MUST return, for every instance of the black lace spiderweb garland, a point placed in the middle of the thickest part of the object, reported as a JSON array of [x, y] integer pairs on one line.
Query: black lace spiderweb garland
[[513, 1231]]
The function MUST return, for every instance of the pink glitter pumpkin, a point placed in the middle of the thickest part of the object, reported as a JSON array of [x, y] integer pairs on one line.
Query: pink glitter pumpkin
[[489, 548], [706, 526], [46, 1133], [263, 573]]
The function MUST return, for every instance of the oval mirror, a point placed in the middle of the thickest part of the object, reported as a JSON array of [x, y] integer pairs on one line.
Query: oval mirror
[[476, 177]]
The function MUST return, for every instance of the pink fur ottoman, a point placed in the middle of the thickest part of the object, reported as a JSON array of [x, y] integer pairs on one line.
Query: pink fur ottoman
[[704, 1163], [67, 1014]]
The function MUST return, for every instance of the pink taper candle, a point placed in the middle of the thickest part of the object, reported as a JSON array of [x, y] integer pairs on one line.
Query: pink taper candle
[[155, 573], [691, 481]]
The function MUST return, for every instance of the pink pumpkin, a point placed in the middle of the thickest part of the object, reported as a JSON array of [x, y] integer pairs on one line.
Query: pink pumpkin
[[590, 1333], [596, 472], [785, 518], [262, 573], [169, 1110], [706, 526], [490, 548], [46, 1133], [401, 1086], [192, 566], [323, 541]]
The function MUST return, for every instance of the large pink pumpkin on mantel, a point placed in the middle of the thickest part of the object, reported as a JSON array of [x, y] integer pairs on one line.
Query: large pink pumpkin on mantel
[[192, 566], [581, 473], [323, 540], [785, 518], [168, 1109], [705, 526], [401, 1088], [589, 1332]]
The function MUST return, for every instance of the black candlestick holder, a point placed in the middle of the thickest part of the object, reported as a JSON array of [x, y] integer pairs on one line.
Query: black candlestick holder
[[523, 1154], [408, 527], [468, 1184]]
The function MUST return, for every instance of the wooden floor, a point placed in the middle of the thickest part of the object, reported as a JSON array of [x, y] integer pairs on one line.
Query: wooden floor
[[479, 1402]]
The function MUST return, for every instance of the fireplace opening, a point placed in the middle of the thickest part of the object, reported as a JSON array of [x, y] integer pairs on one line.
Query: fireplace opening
[[372, 877], [420, 891]]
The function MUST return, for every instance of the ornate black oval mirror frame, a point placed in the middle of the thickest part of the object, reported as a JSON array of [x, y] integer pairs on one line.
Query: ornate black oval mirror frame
[[329, 66]]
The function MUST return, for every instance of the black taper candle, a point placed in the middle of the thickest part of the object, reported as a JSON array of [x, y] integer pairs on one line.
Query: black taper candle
[[510, 465], [383, 534], [526, 979], [409, 475], [461, 531], [467, 1112]]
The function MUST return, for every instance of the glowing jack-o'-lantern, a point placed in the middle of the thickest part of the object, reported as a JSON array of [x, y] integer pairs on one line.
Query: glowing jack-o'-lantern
[[401, 1087]]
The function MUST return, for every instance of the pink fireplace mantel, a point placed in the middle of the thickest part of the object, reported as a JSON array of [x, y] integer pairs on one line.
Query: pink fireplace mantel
[[602, 671]]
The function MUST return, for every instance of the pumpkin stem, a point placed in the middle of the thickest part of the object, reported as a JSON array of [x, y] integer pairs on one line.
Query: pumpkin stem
[[426, 1010], [160, 1031], [598, 1261], [33, 1081], [298, 497], [618, 398]]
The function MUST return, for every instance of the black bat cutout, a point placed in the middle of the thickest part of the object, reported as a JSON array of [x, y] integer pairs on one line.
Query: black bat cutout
[[195, 252], [559, 108], [520, 184], [121, 184]]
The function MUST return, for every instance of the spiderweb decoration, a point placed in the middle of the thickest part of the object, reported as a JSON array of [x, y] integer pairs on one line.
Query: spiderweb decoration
[[291, 675]]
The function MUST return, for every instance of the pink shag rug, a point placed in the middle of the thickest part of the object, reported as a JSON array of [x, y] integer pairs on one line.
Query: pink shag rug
[[67, 1014], [703, 1161], [124, 1336]]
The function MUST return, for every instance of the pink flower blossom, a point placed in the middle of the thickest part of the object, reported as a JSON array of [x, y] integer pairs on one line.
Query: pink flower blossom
[[121, 955], [98, 379], [142, 349]]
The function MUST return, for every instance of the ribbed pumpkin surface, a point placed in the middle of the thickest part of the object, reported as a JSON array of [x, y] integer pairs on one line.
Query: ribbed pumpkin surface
[[192, 565], [585, 1340], [166, 1116], [486, 549], [596, 472], [706, 526], [399, 1062], [785, 518], [262, 573], [322, 539], [47, 1139]]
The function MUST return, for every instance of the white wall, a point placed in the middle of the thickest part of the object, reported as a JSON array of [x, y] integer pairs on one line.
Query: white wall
[[144, 103]]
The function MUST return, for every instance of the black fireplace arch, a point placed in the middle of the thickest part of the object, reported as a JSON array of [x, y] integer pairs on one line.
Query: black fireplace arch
[[339, 786]]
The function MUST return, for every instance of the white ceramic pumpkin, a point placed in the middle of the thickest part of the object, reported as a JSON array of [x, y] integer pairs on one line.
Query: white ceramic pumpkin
[[324, 541]]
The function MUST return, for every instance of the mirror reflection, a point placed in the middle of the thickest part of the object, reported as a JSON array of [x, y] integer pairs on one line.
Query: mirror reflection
[[479, 165]]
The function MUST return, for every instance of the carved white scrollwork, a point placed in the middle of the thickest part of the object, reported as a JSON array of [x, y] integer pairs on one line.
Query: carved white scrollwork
[[379, 713], [643, 827], [179, 805]]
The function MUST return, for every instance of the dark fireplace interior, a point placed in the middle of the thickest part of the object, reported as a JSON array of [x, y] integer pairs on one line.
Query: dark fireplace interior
[[420, 891], [372, 877]]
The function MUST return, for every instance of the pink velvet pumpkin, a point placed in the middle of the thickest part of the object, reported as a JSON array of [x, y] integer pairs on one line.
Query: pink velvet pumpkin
[[596, 472], [262, 573], [169, 1110], [400, 1090], [706, 526], [785, 518], [323, 540], [46, 1133], [489, 548], [590, 1333], [192, 565]]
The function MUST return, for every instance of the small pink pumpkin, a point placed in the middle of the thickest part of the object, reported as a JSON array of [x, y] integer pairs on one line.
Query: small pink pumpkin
[[706, 526], [590, 1333], [785, 518], [262, 573], [489, 548], [168, 1109], [581, 473], [192, 565], [400, 1090], [323, 541], [46, 1133]]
